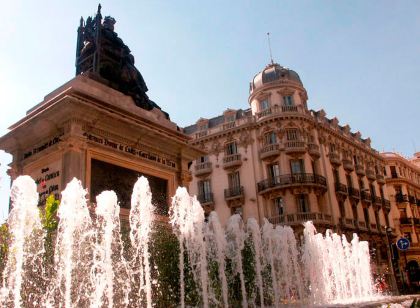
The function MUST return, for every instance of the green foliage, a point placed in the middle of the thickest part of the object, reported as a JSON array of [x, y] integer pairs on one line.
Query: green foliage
[[248, 263], [164, 253], [49, 222], [4, 246], [49, 214]]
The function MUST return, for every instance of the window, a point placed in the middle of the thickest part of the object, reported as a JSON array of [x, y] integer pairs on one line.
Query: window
[[361, 185], [356, 161], [366, 214], [230, 118], [204, 191], [372, 190], [336, 176], [278, 206], [303, 205], [332, 147], [264, 105], [393, 172], [231, 148], [349, 181], [342, 209], [288, 100], [202, 159], [203, 126], [292, 134], [234, 180], [354, 210], [270, 138], [274, 172], [297, 166]]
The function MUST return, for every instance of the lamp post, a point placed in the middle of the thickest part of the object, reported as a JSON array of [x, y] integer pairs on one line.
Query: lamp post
[[388, 231]]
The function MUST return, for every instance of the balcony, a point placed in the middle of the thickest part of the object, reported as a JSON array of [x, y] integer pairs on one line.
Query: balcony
[[348, 164], [292, 180], [234, 196], [264, 113], [361, 225], [201, 134], [386, 204], [377, 200], [313, 149], [334, 158], [203, 168], [269, 151], [370, 174], [380, 178], [360, 169], [229, 125], [354, 193], [206, 201], [373, 228], [405, 221], [295, 147], [232, 161], [400, 198], [412, 199], [289, 108], [341, 189], [234, 192], [206, 198], [365, 195], [347, 223], [299, 218]]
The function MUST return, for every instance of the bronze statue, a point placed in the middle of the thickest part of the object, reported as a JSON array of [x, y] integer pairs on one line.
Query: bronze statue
[[100, 52]]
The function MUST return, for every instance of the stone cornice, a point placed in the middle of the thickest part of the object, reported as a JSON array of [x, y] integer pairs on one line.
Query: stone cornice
[[370, 151], [400, 180], [397, 158], [276, 84]]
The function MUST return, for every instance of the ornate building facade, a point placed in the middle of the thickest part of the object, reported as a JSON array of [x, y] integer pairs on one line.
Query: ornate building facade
[[403, 186], [278, 160]]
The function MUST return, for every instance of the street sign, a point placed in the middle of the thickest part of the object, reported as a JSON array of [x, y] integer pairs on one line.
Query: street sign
[[403, 244]]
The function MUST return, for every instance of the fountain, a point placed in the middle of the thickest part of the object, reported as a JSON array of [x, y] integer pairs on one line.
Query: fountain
[[242, 264]]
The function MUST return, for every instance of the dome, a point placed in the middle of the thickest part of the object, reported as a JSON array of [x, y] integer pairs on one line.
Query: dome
[[272, 73]]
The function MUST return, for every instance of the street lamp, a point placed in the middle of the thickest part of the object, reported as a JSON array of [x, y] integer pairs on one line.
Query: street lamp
[[388, 231]]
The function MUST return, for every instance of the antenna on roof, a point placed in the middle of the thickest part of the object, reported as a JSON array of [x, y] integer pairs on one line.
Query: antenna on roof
[[269, 47]]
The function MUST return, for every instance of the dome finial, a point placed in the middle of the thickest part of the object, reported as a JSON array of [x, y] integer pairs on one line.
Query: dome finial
[[269, 47]]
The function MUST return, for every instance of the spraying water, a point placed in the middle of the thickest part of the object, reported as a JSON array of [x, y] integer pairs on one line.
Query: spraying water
[[254, 231], [335, 270], [109, 274], [236, 243], [24, 263], [187, 217], [217, 250], [141, 221], [90, 268], [71, 285]]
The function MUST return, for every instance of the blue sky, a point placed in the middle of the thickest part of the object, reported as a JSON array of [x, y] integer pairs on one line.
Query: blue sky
[[358, 60]]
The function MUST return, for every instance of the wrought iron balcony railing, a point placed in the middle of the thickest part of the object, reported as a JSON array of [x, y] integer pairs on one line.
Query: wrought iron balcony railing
[[205, 198], [292, 179], [232, 192]]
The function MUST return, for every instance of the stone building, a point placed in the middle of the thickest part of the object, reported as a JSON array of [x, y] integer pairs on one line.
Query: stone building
[[278, 160], [402, 178]]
